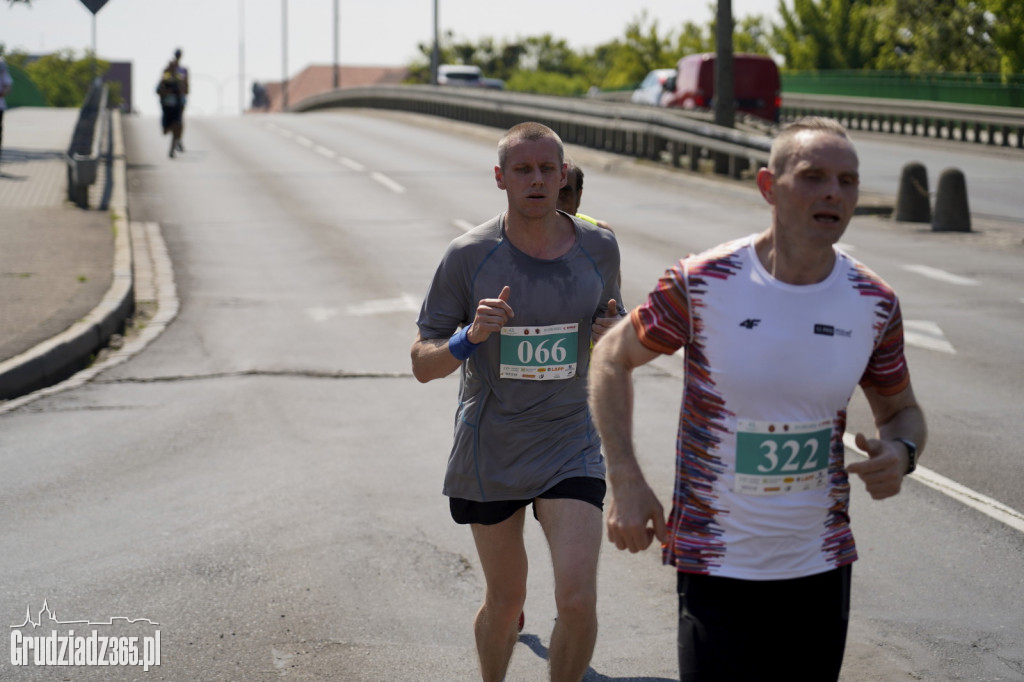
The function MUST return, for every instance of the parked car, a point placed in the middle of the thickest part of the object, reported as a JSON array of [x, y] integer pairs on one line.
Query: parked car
[[650, 89], [460, 74], [756, 81]]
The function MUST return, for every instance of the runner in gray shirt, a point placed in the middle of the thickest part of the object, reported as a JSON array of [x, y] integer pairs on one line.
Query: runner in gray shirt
[[516, 304]]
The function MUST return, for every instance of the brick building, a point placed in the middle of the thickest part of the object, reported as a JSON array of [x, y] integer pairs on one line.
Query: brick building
[[316, 79]]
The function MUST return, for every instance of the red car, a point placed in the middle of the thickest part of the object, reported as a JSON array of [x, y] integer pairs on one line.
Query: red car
[[756, 79]]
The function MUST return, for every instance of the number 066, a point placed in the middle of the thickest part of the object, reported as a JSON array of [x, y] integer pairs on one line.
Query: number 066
[[541, 353]]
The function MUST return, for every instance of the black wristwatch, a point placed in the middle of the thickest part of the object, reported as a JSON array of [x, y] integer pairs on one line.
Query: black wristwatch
[[911, 453]]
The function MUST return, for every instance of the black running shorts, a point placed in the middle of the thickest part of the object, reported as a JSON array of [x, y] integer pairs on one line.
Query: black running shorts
[[582, 488], [763, 629]]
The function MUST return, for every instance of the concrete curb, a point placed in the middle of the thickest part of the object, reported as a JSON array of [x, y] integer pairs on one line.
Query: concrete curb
[[72, 350]]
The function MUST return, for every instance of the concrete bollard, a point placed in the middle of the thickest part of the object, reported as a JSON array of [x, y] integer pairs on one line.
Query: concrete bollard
[[913, 204], [951, 211]]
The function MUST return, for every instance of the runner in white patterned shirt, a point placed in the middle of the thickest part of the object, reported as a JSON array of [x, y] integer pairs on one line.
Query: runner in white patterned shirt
[[778, 329]]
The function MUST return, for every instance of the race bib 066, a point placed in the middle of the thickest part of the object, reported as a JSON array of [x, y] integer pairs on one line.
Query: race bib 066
[[774, 458], [539, 353]]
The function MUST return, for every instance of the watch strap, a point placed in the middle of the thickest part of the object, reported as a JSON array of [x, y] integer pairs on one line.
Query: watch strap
[[912, 454]]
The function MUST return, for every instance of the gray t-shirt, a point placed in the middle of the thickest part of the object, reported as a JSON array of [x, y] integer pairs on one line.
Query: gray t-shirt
[[522, 424]]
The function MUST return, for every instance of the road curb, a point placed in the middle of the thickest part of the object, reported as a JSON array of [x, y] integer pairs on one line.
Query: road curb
[[72, 350]]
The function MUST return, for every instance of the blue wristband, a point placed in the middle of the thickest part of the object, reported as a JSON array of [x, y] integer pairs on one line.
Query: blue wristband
[[460, 346]]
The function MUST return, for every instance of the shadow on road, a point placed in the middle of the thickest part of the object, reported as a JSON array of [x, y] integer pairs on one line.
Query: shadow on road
[[18, 155], [533, 642]]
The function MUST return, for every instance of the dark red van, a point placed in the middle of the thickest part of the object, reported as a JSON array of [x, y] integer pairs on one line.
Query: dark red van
[[755, 76]]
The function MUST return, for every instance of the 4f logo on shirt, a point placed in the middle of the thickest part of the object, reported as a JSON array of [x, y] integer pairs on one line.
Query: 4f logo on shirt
[[750, 323]]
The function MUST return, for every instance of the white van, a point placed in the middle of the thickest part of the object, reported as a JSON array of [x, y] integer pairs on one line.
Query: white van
[[460, 74]]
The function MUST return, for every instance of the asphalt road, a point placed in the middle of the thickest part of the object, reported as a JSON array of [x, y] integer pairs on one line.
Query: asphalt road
[[263, 481]]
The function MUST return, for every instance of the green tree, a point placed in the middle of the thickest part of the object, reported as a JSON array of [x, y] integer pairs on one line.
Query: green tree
[[419, 69], [63, 79], [694, 38], [935, 35], [549, 54], [495, 60], [1006, 26], [498, 60], [645, 48], [826, 34], [752, 35], [548, 83]]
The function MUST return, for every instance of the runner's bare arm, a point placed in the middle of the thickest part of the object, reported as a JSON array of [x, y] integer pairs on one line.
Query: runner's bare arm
[[635, 516]]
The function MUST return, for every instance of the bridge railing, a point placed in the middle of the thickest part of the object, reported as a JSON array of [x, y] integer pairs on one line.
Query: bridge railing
[[86, 147], [645, 132], [998, 126], [678, 137]]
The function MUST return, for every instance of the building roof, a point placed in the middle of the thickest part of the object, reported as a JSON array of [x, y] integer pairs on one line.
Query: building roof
[[319, 78]]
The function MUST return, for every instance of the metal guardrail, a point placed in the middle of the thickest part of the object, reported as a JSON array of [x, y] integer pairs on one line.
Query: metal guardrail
[[644, 132], [669, 134], [85, 149], [996, 126]]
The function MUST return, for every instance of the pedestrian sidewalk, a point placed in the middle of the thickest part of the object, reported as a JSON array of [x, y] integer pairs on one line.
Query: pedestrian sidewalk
[[65, 272]]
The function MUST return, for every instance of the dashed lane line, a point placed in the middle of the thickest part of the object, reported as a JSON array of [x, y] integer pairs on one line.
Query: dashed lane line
[[351, 164], [388, 182], [324, 151], [941, 275]]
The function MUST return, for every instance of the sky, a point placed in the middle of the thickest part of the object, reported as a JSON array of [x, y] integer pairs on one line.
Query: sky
[[228, 44]]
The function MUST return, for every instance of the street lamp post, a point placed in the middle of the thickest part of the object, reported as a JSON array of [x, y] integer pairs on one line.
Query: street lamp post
[[435, 53], [241, 56], [337, 75], [284, 55]]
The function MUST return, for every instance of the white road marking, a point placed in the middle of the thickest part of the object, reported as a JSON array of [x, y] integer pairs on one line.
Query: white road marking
[[304, 141], [941, 275], [388, 182], [324, 151], [322, 314], [463, 225], [986, 505], [403, 304], [927, 335], [353, 165]]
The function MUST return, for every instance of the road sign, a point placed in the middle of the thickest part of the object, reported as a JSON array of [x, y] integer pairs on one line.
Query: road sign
[[94, 5]]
